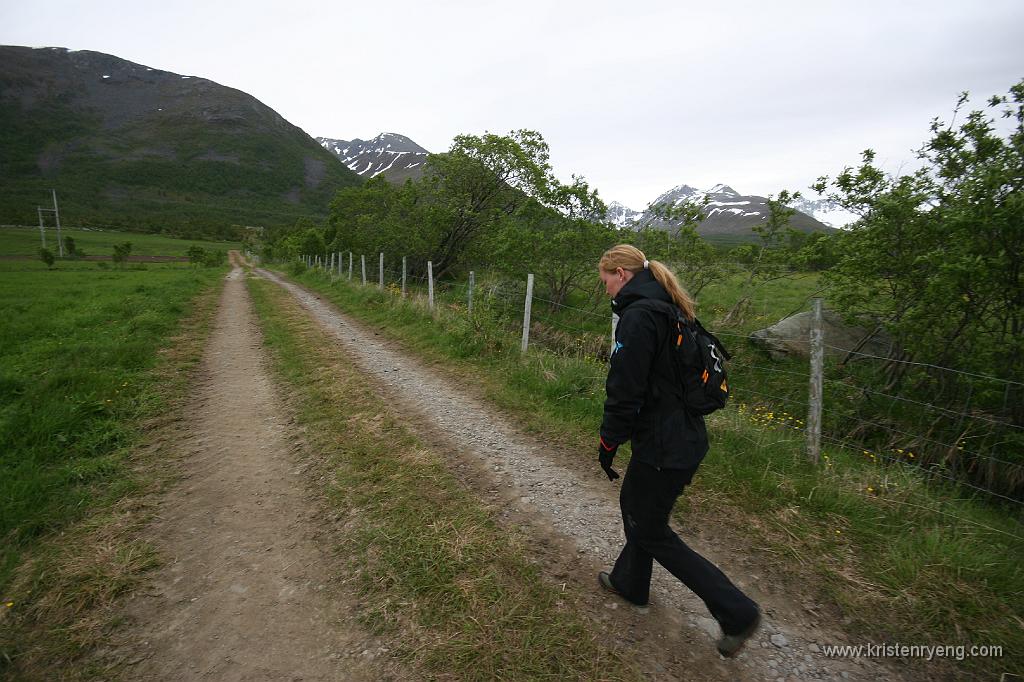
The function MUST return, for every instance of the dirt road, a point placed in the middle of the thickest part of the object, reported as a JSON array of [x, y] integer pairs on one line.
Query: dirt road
[[246, 591], [577, 512]]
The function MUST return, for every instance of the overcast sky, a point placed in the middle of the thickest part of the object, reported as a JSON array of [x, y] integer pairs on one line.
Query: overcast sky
[[635, 96]]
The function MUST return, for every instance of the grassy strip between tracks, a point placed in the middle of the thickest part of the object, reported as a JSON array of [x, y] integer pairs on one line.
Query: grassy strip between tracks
[[434, 569], [902, 558], [92, 385]]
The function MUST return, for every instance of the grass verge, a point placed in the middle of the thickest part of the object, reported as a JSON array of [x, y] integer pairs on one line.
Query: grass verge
[[112, 353], [905, 560], [433, 567]]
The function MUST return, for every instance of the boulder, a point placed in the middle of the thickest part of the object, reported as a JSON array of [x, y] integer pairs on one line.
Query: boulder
[[791, 337]]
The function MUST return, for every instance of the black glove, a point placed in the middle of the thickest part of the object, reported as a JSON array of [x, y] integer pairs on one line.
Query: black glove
[[605, 455]]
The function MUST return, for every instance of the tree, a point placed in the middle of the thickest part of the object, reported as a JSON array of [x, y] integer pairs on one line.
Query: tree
[[121, 253], [381, 217], [481, 181], [482, 187], [72, 250], [937, 257], [47, 257], [215, 258], [560, 243], [196, 255]]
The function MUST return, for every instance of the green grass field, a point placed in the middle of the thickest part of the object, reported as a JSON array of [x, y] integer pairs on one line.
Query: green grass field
[[77, 347], [21, 241]]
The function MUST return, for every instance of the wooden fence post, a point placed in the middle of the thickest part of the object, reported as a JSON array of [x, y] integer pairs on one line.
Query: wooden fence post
[[380, 284], [814, 397], [526, 312], [350, 266], [362, 260], [471, 292], [403, 276], [430, 284]]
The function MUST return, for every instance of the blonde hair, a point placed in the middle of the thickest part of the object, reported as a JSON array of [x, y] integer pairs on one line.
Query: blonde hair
[[628, 257]]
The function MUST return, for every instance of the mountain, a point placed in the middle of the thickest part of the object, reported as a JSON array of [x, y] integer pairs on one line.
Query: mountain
[[728, 216], [825, 212], [394, 155], [130, 146], [622, 216]]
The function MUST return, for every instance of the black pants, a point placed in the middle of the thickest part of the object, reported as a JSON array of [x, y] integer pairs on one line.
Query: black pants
[[647, 497]]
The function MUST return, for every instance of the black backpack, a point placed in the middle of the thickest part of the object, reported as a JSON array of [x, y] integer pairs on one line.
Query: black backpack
[[698, 359]]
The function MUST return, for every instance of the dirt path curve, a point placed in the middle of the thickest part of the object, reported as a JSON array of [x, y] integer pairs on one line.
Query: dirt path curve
[[582, 509], [245, 593]]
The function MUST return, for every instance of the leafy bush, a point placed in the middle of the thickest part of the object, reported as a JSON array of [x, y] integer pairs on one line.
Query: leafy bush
[[214, 259], [196, 255], [121, 252], [71, 250]]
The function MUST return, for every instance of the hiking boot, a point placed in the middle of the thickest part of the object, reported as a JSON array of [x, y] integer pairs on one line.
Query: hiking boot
[[605, 581], [730, 645]]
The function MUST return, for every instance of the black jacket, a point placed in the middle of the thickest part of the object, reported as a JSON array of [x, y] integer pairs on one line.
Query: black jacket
[[642, 404]]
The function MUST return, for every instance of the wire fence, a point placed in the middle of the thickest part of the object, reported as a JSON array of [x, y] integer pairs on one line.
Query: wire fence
[[960, 434]]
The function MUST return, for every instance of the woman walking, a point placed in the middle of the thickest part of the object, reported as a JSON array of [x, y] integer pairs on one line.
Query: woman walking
[[643, 406]]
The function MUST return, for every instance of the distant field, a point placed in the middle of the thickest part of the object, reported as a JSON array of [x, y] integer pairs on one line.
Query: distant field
[[22, 241]]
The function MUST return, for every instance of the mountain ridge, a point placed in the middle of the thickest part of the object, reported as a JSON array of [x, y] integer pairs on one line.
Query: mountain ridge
[[379, 155], [127, 145], [727, 214]]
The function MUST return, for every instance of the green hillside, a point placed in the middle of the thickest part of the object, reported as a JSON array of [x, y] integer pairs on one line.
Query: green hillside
[[135, 148]]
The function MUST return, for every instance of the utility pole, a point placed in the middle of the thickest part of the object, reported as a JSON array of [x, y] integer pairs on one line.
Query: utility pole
[[56, 212], [42, 230]]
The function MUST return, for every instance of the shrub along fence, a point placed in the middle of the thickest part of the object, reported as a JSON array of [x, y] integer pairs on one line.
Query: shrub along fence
[[955, 426]]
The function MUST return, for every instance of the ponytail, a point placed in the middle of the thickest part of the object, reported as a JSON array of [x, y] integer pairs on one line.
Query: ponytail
[[633, 259], [679, 295]]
